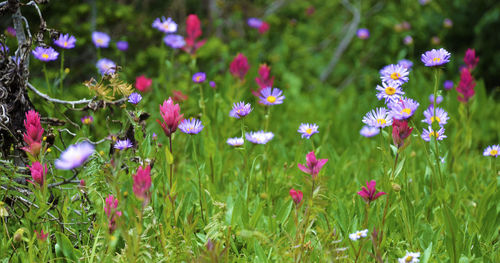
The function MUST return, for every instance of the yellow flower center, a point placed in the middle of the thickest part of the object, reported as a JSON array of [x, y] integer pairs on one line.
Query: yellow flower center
[[198, 78], [433, 133], [435, 118], [165, 26], [493, 152], [390, 90], [271, 99], [436, 59], [45, 56], [406, 110], [309, 131], [359, 234], [65, 43], [99, 41], [395, 76], [409, 259], [381, 121]]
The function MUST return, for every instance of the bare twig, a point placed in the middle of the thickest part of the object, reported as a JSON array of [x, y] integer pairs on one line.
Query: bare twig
[[48, 98], [28, 203], [353, 26]]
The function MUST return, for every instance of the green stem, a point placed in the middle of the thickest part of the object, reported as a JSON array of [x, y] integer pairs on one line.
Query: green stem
[[395, 164], [202, 101], [199, 178], [61, 72], [267, 117], [46, 77], [436, 152]]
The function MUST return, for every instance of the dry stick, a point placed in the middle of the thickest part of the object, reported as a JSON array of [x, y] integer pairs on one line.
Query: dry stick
[[29, 203], [345, 41]]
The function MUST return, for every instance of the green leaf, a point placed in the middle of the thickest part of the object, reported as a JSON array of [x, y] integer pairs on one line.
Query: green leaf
[[66, 247], [427, 253], [168, 156]]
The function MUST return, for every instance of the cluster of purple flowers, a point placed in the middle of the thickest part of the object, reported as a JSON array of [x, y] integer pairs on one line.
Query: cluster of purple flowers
[[401, 108], [169, 27]]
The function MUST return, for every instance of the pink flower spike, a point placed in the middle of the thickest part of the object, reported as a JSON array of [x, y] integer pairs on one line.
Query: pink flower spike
[[41, 236], [142, 183], [264, 80], [170, 113], [38, 172], [313, 166], [34, 132], [143, 84], [239, 66], [370, 194], [111, 212], [296, 196], [470, 59]]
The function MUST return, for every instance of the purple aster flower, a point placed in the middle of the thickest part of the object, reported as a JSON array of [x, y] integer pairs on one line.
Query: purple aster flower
[[65, 41], [259, 137], [408, 40], [411, 257], [165, 25], [254, 22], [199, 77], [448, 84], [122, 45], [74, 156], [154, 136], [87, 120], [439, 99], [378, 118], [106, 66], [4, 48], [436, 57], [407, 64], [441, 116], [212, 84], [271, 96], [45, 54], [174, 41], [428, 133], [358, 234], [389, 92], [363, 33], [307, 130], [235, 141], [403, 108], [123, 144], [435, 40], [447, 23], [369, 131], [492, 150], [240, 109], [191, 126], [134, 98], [100, 39], [394, 74]]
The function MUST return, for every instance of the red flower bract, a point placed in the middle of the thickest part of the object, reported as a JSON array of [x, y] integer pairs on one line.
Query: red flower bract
[[313, 166], [263, 28], [466, 86], [400, 131], [41, 236], [170, 113], [193, 31], [143, 84], [370, 194], [142, 183], [38, 172], [34, 132], [296, 196], [470, 59], [239, 66]]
